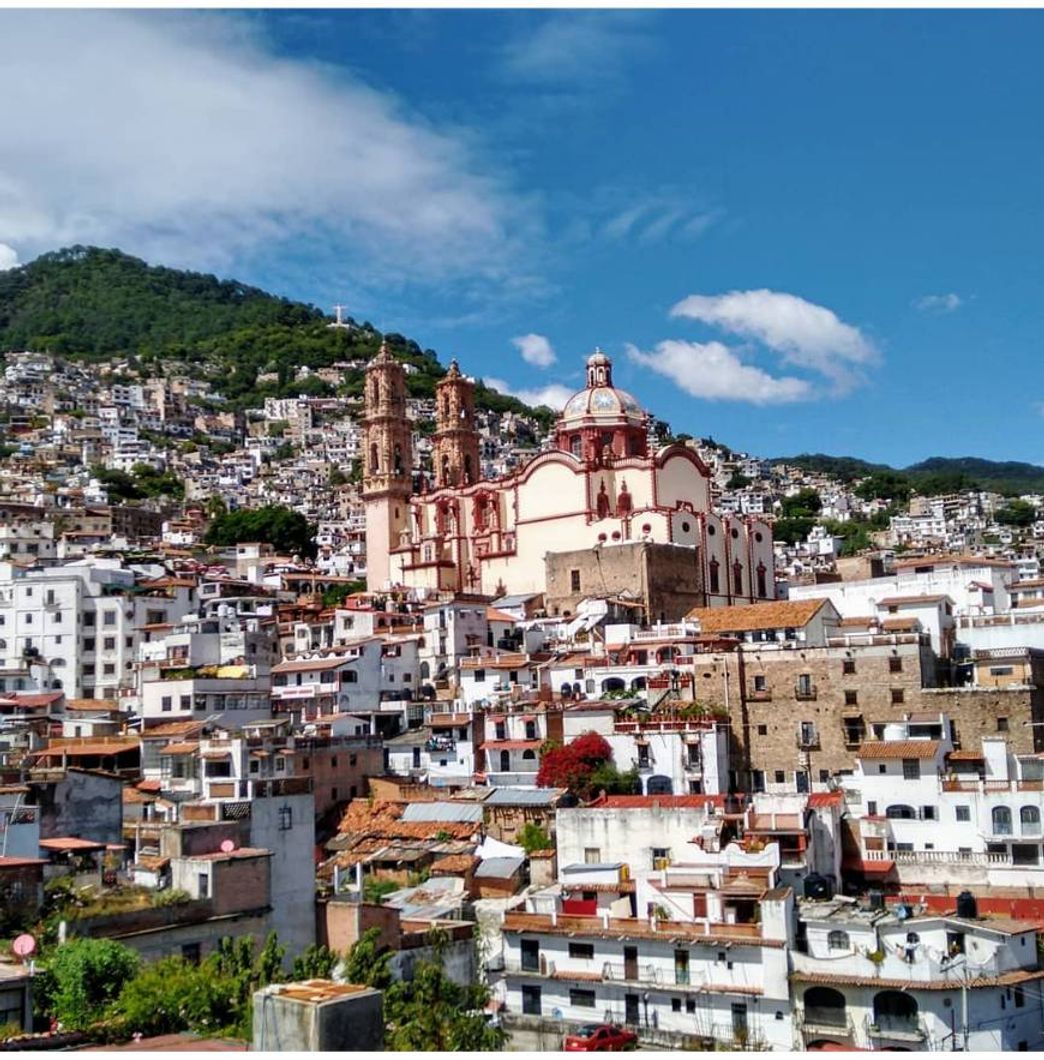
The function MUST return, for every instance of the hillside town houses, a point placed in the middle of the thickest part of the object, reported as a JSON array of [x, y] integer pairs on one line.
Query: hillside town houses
[[811, 815]]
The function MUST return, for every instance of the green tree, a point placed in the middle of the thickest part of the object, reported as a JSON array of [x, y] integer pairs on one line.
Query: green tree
[[804, 504], [1016, 513], [317, 962], [83, 978], [737, 482], [284, 529], [173, 995], [884, 486], [368, 963], [532, 837], [431, 1013]]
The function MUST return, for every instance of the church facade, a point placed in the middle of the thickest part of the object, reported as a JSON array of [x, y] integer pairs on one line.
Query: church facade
[[599, 486]]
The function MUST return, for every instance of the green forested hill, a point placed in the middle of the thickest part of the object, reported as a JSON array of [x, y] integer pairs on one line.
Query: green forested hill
[[938, 474], [92, 304]]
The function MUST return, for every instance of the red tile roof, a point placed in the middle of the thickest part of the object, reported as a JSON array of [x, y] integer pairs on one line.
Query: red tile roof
[[779, 614], [899, 749], [70, 843]]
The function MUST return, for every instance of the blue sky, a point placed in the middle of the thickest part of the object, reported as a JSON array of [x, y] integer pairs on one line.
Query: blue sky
[[794, 231]]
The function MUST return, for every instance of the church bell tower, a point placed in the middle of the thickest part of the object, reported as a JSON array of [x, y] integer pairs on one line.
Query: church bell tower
[[387, 465], [455, 452]]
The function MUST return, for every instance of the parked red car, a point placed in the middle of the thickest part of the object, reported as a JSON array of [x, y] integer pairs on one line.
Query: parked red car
[[601, 1037]]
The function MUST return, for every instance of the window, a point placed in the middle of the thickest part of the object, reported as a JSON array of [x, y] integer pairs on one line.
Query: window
[[1002, 725], [851, 697], [1020, 997], [714, 584], [911, 769], [962, 813], [838, 940], [763, 730], [582, 998], [928, 813], [1001, 820], [109, 618], [574, 581], [286, 818], [690, 1004], [804, 684], [581, 951], [530, 1000], [760, 684], [480, 676], [1029, 818], [109, 644], [203, 885], [109, 669], [166, 703], [781, 777], [895, 664], [848, 666], [676, 1004], [871, 808], [898, 695], [660, 855], [185, 703], [190, 952], [89, 618], [592, 855]]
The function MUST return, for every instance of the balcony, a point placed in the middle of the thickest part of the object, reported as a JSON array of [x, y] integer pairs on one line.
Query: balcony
[[897, 1029], [804, 691], [760, 695]]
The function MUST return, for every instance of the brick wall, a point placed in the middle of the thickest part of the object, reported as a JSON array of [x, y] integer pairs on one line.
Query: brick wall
[[762, 690]]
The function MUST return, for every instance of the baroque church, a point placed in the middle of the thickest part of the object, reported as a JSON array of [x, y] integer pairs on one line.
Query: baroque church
[[600, 485]]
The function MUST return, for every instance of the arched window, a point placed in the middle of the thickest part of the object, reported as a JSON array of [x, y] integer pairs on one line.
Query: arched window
[[425, 671], [1001, 820], [838, 940], [374, 464], [57, 662], [713, 570], [825, 1007], [762, 588], [901, 813], [445, 470], [895, 1011], [737, 578], [398, 459], [528, 755], [467, 468], [1029, 818], [575, 445]]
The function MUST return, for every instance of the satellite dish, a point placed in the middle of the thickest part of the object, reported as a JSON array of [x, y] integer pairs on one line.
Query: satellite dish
[[24, 946], [227, 846]]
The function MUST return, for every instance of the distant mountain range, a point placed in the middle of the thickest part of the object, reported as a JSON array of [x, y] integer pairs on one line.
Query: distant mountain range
[[90, 303], [937, 474]]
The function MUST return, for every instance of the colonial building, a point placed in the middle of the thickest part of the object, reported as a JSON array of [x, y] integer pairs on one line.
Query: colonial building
[[598, 486]]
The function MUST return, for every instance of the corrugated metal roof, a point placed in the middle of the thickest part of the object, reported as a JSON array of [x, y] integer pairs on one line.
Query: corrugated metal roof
[[498, 868], [462, 812], [523, 797]]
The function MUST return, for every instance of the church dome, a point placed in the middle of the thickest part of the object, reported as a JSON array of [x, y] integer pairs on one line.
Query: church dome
[[600, 400]]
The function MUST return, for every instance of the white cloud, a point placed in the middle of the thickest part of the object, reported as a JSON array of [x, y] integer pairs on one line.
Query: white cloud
[[576, 47], [535, 350], [804, 334], [554, 395], [182, 137], [938, 303], [713, 372], [8, 257]]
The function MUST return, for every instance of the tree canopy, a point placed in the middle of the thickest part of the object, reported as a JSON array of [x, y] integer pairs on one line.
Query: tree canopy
[[284, 529], [584, 767]]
